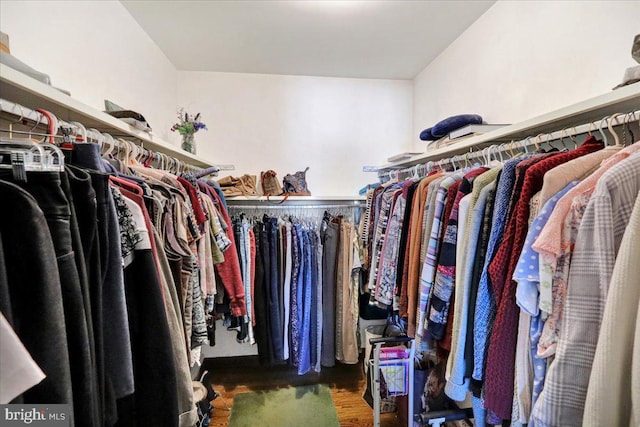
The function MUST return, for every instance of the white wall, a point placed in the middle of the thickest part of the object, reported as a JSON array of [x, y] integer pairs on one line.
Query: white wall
[[97, 51], [525, 58], [285, 123]]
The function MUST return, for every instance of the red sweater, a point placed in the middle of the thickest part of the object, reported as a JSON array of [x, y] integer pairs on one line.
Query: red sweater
[[229, 269]]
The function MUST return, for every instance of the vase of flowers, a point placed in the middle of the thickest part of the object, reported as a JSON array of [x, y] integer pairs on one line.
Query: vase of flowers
[[187, 126]]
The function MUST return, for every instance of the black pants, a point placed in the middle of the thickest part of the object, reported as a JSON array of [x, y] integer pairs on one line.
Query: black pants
[[262, 328], [274, 277]]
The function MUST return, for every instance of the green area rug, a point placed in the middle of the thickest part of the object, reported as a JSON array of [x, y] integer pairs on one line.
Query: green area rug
[[307, 406]]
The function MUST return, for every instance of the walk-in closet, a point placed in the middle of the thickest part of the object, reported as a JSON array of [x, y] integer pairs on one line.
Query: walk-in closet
[[319, 213]]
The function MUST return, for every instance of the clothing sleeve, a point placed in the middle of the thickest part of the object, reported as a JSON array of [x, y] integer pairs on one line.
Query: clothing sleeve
[[19, 371]]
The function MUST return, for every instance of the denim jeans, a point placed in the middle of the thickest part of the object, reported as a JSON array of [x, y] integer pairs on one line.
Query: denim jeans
[[304, 308], [245, 266]]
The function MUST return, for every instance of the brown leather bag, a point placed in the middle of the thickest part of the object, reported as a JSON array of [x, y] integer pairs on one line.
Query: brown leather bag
[[270, 184], [243, 186]]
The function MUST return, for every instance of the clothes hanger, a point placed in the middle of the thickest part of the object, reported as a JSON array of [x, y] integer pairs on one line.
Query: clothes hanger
[[453, 163], [604, 136], [110, 144], [496, 152], [511, 152], [616, 138], [538, 142], [54, 158], [17, 121], [164, 161], [124, 152], [82, 137], [429, 166], [415, 175], [563, 134], [120, 182], [30, 132], [551, 140], [53, 124], [492, 154], [158, 160], [485, 156], [91, 138], [21, 154], [572, 137], [627, 128]]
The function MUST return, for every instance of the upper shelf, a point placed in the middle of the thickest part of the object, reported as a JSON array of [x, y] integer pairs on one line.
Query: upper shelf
[[20, 88], [622, 100]]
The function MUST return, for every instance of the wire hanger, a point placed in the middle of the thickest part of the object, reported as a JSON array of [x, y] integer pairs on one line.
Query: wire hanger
[[550, 140], [572, 137], [17, 121], [626, 127]]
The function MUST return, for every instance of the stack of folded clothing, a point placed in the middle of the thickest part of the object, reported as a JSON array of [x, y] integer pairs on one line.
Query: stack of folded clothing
[[11, 61], [441, 129], [133, 118]]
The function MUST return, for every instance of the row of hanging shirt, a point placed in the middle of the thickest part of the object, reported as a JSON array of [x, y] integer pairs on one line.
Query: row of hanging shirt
[[505, 269], [301, 272], [107, 273]]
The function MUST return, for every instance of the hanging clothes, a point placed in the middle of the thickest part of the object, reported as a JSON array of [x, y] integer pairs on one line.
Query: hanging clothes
[[113, 302], [306, 292], [517, 261]]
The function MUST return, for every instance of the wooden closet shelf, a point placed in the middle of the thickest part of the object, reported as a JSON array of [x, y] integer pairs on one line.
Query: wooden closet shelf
[[623, 100], [24, 90]]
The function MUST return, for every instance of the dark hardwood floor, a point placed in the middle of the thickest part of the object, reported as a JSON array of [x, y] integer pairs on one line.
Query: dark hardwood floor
[[231, 376]]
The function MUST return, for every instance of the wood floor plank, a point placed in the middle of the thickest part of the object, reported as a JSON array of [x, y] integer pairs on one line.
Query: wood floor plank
[[231, 376]]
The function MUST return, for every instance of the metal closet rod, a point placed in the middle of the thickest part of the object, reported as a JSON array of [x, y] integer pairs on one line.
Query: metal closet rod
[[293, 207], [509, 147]]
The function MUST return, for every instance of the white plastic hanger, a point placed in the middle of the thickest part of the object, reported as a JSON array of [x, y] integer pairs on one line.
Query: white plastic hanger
[[604, 136], [616, 138]]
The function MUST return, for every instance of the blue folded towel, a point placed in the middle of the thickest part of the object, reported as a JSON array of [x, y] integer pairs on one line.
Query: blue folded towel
[[452, 123]]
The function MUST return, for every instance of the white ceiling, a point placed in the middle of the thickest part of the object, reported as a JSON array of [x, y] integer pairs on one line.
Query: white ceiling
[[390, 39]]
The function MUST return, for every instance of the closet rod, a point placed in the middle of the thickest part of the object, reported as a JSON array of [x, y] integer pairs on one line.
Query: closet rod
[[615, 120], [293, 207]]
